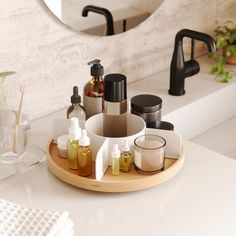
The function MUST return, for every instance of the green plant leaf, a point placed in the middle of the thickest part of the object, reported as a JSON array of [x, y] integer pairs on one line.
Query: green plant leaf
[[220, 32], [212, 54], [214, 69], [6, 73], [232, 37], [220, 42]]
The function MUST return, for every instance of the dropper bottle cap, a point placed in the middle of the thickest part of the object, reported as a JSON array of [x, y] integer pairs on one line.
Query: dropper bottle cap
[[125, 147], [84, 140], [74, 130], [115, 151], [75, 98]]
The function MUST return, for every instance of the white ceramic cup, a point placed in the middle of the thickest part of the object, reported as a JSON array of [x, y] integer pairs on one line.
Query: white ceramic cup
[[94, 126]]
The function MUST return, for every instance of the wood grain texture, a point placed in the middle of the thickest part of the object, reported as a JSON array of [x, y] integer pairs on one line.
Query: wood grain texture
[[125, 182]]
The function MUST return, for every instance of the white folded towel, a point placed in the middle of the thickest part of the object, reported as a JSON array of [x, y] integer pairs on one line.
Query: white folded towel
[[17, 220]]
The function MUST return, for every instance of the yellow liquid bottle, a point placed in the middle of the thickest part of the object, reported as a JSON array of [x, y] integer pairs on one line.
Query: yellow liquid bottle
[[84, 162], [73, 143], [115, 160], [126, 158], [72, 148]]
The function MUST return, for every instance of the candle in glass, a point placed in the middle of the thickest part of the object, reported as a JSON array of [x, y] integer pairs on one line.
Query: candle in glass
[[149, 153]]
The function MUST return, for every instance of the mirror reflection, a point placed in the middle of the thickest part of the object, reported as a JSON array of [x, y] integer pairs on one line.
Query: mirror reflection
[[102, 17]]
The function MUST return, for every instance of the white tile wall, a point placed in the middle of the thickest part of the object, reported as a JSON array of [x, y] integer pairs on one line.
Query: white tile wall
[[50, 58]]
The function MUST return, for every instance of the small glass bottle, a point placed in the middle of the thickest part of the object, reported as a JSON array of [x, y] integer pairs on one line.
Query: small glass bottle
[[84, 155], [115, 160], [94, 90], [76, 109], [125, 158], [73, 143]]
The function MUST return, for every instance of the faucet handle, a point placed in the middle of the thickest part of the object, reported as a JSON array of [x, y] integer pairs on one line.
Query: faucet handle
[[191, 68]]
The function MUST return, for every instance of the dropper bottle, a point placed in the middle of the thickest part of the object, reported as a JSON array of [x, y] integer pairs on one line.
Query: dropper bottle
[[73, 143], [76, 109], [115, 154], [94, 90], [126, 157], [84, 155]]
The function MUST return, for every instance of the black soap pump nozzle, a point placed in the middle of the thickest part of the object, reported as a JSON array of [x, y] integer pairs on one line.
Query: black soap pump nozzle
[[76, 109], [75, 98], [96, 68]]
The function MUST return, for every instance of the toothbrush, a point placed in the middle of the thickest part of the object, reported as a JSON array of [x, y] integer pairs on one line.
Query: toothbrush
[[18, 118]]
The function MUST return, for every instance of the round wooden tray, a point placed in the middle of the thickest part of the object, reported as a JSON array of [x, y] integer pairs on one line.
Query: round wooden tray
[[125, 182]]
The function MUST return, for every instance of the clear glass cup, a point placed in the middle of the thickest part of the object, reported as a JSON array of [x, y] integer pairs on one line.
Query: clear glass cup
[[149, 154], [13, 137]]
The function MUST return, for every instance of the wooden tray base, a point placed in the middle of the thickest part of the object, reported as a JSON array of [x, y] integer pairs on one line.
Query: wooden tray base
[[125, 182]]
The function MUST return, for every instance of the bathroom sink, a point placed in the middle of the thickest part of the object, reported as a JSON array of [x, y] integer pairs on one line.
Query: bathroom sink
[[220, 138]]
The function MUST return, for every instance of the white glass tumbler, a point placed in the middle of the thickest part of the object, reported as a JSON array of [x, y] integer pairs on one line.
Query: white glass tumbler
[[13, 137]]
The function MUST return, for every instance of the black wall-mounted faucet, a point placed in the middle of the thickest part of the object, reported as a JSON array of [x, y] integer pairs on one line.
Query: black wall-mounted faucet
[[181, 69], [102, 11]]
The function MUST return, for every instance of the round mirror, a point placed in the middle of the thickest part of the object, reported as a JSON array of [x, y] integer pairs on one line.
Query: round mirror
[[104, 17]]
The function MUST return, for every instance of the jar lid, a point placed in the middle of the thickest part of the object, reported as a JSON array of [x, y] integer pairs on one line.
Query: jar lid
[[146, 103]]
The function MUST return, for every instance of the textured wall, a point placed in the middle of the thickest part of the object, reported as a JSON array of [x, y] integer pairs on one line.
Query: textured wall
[[49, 58]]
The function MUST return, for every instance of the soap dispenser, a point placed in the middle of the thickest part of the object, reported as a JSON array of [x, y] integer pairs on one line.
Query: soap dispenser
[[94, 90], [76, 109]]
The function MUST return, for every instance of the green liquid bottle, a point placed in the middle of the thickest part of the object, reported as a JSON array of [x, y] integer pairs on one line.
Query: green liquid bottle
[[115, 160], [73, 143]]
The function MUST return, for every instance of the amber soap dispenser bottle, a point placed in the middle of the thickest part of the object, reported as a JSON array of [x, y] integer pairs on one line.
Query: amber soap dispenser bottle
[[94, 90]]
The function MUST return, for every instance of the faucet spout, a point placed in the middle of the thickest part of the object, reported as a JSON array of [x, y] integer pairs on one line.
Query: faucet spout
[[207, 39], [180, 69], [104, 12]]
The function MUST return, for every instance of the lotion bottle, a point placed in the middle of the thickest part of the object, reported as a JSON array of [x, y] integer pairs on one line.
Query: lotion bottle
[[115, 160], [115, 106], [94, 90], [84, 155], [76, 109], [73, 143]]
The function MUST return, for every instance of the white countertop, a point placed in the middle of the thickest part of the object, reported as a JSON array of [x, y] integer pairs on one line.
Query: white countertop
[[200, 200]]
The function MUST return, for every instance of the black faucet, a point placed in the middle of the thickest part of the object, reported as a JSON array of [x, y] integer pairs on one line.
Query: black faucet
[[102, 11], [181, 69]]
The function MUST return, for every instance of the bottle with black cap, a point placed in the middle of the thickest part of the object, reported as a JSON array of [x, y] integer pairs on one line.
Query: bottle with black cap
[[94, 90], [115, 106], [76, 109]]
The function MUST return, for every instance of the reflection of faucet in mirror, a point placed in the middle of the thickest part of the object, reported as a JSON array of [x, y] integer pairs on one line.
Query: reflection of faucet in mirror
[[102, 11], [180, 69]]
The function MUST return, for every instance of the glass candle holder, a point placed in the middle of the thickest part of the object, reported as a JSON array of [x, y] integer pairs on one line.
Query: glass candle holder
[[149, 154], [13, 137]]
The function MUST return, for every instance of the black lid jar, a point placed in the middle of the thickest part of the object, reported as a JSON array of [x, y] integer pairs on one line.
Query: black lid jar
[[147, 106]]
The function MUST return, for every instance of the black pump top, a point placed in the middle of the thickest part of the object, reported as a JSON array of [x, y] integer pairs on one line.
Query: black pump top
[[115, 88], [75, 98], [96, 68]]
